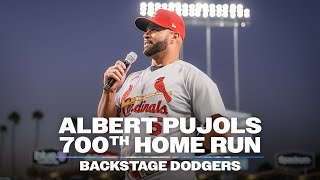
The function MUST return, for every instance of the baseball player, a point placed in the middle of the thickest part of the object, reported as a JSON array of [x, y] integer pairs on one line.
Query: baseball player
[[170, 87]]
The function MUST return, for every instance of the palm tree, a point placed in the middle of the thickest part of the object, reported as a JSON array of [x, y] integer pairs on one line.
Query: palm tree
[[3, 130], [37, 116], [14, 117]]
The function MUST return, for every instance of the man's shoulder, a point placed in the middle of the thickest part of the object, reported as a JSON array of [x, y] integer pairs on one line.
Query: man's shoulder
[[136, 73], [189, 68], [186, 64], [192, 73]]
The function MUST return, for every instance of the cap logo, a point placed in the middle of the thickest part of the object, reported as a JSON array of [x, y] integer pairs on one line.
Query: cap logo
[[173, 25]]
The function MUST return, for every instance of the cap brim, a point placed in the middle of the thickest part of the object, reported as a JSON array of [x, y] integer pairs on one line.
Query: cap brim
[[142, 23]]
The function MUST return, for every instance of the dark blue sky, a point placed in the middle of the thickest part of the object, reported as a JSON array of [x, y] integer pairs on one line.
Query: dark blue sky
[[53, 55]]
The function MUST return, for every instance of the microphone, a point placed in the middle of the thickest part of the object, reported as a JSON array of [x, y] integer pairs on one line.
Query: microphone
[[131, 58]]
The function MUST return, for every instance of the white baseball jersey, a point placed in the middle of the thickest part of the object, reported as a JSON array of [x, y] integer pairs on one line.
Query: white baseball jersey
[[176, 90]]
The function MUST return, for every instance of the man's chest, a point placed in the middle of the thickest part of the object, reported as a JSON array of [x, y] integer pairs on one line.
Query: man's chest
[[154, 94]]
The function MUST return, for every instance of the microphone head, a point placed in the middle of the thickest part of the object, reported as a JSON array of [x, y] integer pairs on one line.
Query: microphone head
[[131, 57]]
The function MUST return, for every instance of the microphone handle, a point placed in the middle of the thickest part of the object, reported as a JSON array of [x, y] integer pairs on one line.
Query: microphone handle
[[110, 82]]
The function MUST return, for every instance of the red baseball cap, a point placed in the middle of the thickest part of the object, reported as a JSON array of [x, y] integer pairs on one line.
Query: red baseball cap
[[165, 18]]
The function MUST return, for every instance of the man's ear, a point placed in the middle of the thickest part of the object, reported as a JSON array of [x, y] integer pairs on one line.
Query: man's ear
[[174, 37]]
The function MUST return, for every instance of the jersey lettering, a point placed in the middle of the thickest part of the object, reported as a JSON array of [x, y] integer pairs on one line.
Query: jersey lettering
[[142, 107]]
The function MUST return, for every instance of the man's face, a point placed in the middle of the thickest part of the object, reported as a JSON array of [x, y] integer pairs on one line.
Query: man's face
[[155, 39]]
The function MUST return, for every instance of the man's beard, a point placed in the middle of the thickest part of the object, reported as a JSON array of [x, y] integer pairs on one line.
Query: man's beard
[[155, 48]]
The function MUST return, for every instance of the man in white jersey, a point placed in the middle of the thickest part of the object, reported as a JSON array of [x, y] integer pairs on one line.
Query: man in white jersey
[[170, 87]]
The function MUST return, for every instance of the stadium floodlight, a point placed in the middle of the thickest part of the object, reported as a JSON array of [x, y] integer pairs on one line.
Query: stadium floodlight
[[208, 15]]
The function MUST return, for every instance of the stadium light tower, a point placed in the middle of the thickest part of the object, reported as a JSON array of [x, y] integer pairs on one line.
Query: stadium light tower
[[208, 15]]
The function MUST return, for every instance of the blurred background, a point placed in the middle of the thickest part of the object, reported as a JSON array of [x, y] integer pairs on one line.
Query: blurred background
[[53, 55]]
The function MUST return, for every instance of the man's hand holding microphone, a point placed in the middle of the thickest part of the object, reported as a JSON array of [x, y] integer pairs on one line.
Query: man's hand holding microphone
[[115, 75], [112, 79]]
